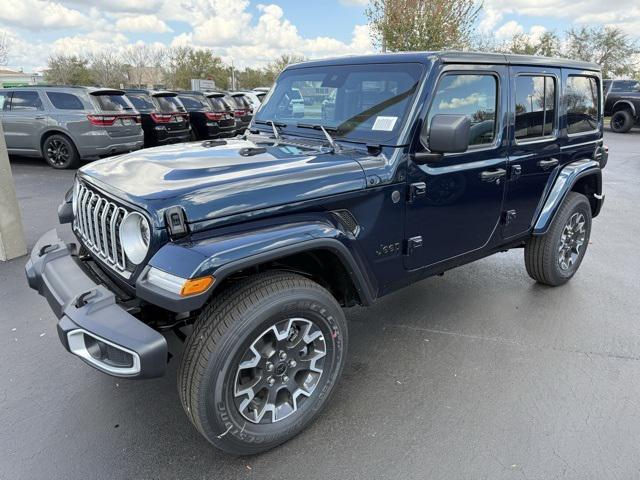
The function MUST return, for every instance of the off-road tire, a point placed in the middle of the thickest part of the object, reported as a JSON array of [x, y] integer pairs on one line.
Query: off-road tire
[[67, 155], [221, 335], [541, 253], [621, 121]]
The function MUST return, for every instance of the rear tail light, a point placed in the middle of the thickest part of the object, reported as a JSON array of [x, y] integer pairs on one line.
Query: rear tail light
[[102, 120], [109, 120], [240, 113], [161, 117], [215, 115]]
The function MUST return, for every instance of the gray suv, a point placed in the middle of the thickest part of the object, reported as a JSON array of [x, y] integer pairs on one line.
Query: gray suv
[[67, 124]]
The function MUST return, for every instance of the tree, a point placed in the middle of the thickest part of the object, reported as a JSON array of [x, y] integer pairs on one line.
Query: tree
[[68, 70], [400, 25], [609, 47], [144, 64], [547, 45], [276, 67], [4, 49], [107, 69], [186, 63]]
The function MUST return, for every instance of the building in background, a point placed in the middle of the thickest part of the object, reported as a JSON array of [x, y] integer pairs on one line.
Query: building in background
[[15, 78]]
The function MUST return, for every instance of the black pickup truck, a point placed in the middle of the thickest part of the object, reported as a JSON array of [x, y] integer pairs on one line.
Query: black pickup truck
[[622, 104], [250, 248]]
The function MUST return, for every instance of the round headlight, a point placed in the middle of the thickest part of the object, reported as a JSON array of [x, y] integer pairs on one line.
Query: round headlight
[[134, 236]]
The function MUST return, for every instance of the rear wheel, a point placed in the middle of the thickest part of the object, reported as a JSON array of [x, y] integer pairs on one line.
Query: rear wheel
[[621, 121], [553, 258], [60, 152], [262, 361]]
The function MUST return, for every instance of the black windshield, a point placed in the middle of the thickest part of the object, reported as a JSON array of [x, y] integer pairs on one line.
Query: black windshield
[[359, 102]]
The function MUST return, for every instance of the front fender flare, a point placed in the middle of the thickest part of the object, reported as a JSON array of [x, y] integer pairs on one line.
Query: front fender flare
[[627, 103], [562, 185], [226, 254]]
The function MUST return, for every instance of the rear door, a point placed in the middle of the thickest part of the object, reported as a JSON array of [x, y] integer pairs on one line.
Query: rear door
[[455, 203], [24, 121], [535, 145]]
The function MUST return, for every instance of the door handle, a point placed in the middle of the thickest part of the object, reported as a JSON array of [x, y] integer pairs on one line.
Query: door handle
[[492, 175], [547, 164], [40, 118]]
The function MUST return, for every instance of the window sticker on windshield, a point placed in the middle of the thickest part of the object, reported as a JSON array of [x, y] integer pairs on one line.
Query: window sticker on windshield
[[385, 124]]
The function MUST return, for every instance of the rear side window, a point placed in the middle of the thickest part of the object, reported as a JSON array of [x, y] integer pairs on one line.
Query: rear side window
[[141, 102], [4, 100], [625, 86], [169, 104], [191, 103], [535, 106], [25, 101], [472, 95], [65, 101], [112, 103], [581, 99]]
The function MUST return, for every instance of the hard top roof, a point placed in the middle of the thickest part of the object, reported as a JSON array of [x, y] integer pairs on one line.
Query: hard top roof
[[454, 57]]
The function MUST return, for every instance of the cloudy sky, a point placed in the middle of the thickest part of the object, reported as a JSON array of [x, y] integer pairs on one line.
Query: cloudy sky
[[253, 32]]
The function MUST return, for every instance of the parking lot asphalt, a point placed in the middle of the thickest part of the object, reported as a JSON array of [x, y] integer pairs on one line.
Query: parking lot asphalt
[[479, 374]]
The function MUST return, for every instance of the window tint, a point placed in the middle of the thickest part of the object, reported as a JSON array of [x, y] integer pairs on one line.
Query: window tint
[[471, 95], [4, 100], [169, 104], [25, 101], [625, 86], [65, 101], [112, 103], [141, 102], [217, 104], [191, 103], [535, 106], [581, 99]]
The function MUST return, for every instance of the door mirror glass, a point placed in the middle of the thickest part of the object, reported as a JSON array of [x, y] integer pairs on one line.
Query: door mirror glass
[[447, 134]]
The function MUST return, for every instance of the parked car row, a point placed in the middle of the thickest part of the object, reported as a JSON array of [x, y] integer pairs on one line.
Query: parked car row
[[65, 125]]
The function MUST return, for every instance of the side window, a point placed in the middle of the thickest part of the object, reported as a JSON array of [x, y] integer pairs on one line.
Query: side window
[[535, 106], [581, 99], [25, 101], [65, 101], [472, 95], [4, 100]]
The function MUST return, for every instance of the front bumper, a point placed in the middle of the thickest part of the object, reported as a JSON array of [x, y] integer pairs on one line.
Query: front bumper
[[91, 324]]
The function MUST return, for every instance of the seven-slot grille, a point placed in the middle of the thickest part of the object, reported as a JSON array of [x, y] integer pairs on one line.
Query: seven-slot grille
[[98, 222]]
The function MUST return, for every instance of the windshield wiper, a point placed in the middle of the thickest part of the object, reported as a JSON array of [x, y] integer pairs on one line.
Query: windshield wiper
[[334, 146], [274, 127]]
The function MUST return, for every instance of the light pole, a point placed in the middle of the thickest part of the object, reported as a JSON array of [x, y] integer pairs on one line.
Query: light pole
[[12, 242]]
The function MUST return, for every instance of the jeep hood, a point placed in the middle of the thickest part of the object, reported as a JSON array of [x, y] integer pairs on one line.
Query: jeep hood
[[224, 179]]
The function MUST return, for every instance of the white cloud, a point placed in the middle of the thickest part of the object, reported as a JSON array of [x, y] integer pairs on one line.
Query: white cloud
[[355, 3], [39, 14], [491, 17], [142, 23], [508, 30]]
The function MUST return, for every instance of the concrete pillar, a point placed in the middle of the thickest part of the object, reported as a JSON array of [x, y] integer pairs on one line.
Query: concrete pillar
[[12, 242]]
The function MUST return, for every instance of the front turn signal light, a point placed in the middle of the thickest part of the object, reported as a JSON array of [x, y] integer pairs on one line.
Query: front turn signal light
[[194, 286]]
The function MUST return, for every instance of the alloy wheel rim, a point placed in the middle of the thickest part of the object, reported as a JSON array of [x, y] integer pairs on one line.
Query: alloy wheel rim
[[280, 370], [57, 152], [617, 122], [571, 241]]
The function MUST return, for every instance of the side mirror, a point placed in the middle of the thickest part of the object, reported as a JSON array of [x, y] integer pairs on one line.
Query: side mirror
[[445, 134]]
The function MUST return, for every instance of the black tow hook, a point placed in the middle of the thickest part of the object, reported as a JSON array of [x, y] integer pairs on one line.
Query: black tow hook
[[47, 248], [81, 301]]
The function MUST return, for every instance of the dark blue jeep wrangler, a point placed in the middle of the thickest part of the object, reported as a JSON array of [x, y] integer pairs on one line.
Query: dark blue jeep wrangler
[[396, 168]]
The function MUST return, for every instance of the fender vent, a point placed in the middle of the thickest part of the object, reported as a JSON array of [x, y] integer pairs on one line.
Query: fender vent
[[348, 221]]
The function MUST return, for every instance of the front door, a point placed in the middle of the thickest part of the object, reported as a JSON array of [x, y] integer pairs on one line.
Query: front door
[[456, 202], [535, 147]]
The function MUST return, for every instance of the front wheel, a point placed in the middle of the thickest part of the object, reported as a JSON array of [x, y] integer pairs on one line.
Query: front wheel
[[553, 258], [262, 361]]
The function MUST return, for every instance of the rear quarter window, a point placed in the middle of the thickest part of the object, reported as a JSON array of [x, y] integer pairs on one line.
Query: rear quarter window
[[65, 101], [581, 98]]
